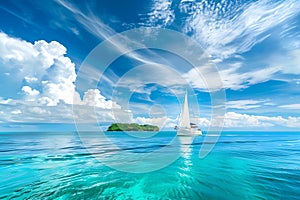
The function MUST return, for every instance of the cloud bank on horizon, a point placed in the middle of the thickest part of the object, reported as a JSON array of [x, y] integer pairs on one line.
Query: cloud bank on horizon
[[254, 44]]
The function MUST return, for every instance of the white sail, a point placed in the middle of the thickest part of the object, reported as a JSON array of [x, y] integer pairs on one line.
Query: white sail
[[185, 115], [184, 127]]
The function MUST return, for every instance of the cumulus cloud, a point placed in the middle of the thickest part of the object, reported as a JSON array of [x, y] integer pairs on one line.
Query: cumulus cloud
[[203, 122], [29, 91], [42, 65], [236, 120], [46, 78], [162, 122], [240, 120], [93, 97]]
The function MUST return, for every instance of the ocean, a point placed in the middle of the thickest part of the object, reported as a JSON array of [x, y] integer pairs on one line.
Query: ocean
[[242, 165]]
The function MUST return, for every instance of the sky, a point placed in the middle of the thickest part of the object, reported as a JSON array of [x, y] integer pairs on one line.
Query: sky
[[54, 77]]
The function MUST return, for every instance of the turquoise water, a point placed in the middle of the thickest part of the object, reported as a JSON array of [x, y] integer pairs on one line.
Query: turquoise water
[[258, 165]]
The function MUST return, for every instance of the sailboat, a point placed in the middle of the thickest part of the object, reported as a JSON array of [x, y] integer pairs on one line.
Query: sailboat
[[185, 127]]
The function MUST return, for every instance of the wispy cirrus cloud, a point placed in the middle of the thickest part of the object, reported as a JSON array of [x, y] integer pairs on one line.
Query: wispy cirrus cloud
[[288, 61], [291, 106], [227, 28], [93, 24], [235, 80], [18, 15], [231, 77], [90, 21], [244, 104]]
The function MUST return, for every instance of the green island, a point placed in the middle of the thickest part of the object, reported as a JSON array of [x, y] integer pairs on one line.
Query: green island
[[132, 127]]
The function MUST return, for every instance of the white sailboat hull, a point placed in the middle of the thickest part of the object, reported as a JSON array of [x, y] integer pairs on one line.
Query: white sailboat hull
[[189, 132]]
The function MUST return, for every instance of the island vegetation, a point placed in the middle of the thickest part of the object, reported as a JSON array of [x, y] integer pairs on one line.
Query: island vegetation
[[132, 127]]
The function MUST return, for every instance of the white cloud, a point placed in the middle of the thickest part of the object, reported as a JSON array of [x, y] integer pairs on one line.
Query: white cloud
[[33, 112], [289, 62], [235, 80], [212, 79], [16, 112], [188, 6], [24, 111], [46, 79], [41, 64], [29, 91], [95, 26], [243, 104], [38, 110], [239, 120], [218, 33], [291, 106], [231, 78], [93, 97], [236, 120], [161, 122], [137, 78], [5, 101], [91, 22], [30, 79], [161, 14], [203, 122], [228, 28], [270, 104], [224, 29]]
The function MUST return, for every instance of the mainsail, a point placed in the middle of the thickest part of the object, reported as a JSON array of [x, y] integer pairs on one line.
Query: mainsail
[[185, 115]]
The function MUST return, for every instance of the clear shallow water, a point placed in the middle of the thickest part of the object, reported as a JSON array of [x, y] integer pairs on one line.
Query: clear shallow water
[[247, 165]]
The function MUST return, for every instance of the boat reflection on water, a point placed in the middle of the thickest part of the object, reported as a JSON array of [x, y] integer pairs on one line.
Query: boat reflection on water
[[185, 146], [185, 169], [186, 152]]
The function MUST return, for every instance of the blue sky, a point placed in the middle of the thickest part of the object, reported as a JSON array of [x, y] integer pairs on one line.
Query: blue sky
[[254, 45]]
